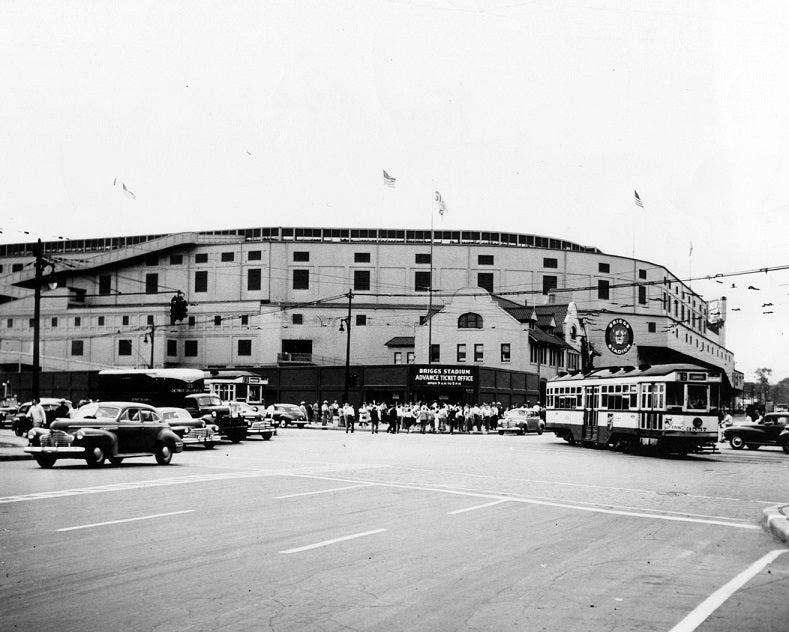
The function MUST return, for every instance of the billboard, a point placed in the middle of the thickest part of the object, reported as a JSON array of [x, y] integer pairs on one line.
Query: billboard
[[443, 376]]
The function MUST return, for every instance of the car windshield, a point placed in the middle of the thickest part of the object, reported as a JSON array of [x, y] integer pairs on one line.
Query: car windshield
[[98, 412], [209, 400], [176, 414]]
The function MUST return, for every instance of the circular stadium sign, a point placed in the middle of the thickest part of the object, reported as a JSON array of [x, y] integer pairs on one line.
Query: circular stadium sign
[[619, 336]]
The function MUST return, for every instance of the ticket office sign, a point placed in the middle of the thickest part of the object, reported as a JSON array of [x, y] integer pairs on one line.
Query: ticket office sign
[[443, 376]]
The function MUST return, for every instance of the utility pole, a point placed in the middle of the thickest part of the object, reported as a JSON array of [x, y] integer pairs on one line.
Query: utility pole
[[347, 348], [153, 328]]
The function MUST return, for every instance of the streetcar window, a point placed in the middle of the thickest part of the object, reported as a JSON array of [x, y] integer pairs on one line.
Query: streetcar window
[[675, 395], [697, 396]]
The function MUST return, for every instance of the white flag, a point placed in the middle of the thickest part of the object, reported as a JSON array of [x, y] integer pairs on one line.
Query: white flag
[[442, 207]]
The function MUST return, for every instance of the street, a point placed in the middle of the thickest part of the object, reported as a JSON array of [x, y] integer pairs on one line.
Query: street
[[322, 530]]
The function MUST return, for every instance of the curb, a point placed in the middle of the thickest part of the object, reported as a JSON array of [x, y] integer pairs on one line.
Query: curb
[[776, 521]]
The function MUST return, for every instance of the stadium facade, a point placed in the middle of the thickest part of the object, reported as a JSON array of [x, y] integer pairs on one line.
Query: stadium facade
[[283, 296]]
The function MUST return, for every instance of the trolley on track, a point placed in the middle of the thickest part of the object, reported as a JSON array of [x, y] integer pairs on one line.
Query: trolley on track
[[670, 407]]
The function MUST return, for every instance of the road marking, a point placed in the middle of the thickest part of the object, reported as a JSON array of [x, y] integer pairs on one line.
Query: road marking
[[495, 502], [103, 524], [534, 501], [323, 491], [716, 599], [334, 541]]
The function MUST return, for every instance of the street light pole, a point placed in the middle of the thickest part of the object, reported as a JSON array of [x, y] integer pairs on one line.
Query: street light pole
[[39, 252], [347, 349]]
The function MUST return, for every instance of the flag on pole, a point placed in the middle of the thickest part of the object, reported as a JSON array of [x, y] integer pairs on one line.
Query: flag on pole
[[691, 249], [389, 180], [128, 192], [442, 208], [638, 200]]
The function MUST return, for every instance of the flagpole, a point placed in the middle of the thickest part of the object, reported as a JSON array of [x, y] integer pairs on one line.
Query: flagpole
[[430, 288]]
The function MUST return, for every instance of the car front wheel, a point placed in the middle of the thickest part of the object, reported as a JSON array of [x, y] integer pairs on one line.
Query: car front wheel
[[737, 443], [163, 454], [94, 456]]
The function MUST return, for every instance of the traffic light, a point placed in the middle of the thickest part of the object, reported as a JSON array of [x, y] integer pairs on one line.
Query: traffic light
[[178, 308]]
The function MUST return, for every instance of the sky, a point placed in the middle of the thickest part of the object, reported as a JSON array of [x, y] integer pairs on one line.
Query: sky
[[532, 116]]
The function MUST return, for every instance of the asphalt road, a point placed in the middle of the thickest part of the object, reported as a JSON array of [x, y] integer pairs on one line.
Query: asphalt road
[[319, 530]]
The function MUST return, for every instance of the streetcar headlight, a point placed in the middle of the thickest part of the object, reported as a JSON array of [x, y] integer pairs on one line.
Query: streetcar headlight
[[697, 422]]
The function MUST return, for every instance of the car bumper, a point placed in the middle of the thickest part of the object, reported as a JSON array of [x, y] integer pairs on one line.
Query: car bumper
[[199, 436], [59, 451]]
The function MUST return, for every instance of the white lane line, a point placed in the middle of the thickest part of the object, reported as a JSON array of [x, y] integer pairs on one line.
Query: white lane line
[[495, 502], [323, 491], [534, 501], [716, 599], [102, 524], [334, 541]]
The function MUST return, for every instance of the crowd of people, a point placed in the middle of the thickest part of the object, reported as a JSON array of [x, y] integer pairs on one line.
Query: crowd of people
[[419, 417]]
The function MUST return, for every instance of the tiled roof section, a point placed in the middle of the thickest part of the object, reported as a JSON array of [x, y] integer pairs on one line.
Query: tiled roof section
[[558, 311], [538, 335], [401, 341]]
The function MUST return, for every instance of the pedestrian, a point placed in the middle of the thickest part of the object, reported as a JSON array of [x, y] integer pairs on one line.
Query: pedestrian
[[63, 410], [726, 421], [36, 413], [350, 418], [375, 417], [325, 412]]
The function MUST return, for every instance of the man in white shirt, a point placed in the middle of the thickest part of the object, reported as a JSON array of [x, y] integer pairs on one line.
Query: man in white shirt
[[37, 414]]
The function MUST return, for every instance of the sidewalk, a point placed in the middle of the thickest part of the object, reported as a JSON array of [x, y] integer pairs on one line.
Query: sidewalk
[[11, 446], [776, 521]]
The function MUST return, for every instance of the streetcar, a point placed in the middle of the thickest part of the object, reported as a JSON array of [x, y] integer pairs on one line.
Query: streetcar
[[670, 408]]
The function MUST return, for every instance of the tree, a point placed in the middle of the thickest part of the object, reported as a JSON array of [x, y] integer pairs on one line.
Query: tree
[[763, 378]]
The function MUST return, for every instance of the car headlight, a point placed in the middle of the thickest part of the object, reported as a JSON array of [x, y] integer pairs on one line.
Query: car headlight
[[80, 435], [213, 413], [31, 434], [186, 431]]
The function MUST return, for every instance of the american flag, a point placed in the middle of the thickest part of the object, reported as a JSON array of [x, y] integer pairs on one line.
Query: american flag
[[442, 207], [638, 200], [389, 180]]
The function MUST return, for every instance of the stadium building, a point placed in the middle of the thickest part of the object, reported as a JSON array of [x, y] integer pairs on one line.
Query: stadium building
[[513, 308]]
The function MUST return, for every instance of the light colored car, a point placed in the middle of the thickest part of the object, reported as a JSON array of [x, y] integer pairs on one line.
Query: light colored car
[[191, 430], [521, 421]]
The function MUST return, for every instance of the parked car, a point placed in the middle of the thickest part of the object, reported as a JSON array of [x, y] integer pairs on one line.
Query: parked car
[[7, 414], [285, 415], [191, 430], [105, 430], [212, 410], [21, 423], [521, 421], [770, 430], [257, 422]]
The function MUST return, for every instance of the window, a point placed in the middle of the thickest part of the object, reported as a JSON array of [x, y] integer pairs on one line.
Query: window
[[409, 357], [297, 319], [461, 355], [421, 281], [77, 347], [150, 319], [151, 283], [485, 281], [253, 279], [245, 347], [9, 323], [55, 322], [642, 274], [301, 279], [228, 256], [505, 352], [125, 321], [254, 255], [201, 257], [361, 320], [573, 332], [549, 283], [124, 347], [479, 352], [245, 319], [32, 322], [301, 255], [602, 289], [101, 321], [470, 320], [201, 281], [651, 327], [642, 295], [77, 321], [191, 321], [151, 262], [550, 263], [485, 260], [172, 348], [105, 284], [190, 348], [605, 268], [361, 257], [176, 260], [217, 321], [398, 357], [361, 280], [422, 258], [435, 353]]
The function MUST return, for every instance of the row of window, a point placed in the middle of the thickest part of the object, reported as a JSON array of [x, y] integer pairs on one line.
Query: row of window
[[479, 353]]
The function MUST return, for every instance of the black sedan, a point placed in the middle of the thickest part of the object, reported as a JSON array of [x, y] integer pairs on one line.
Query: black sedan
[[770, 430]]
